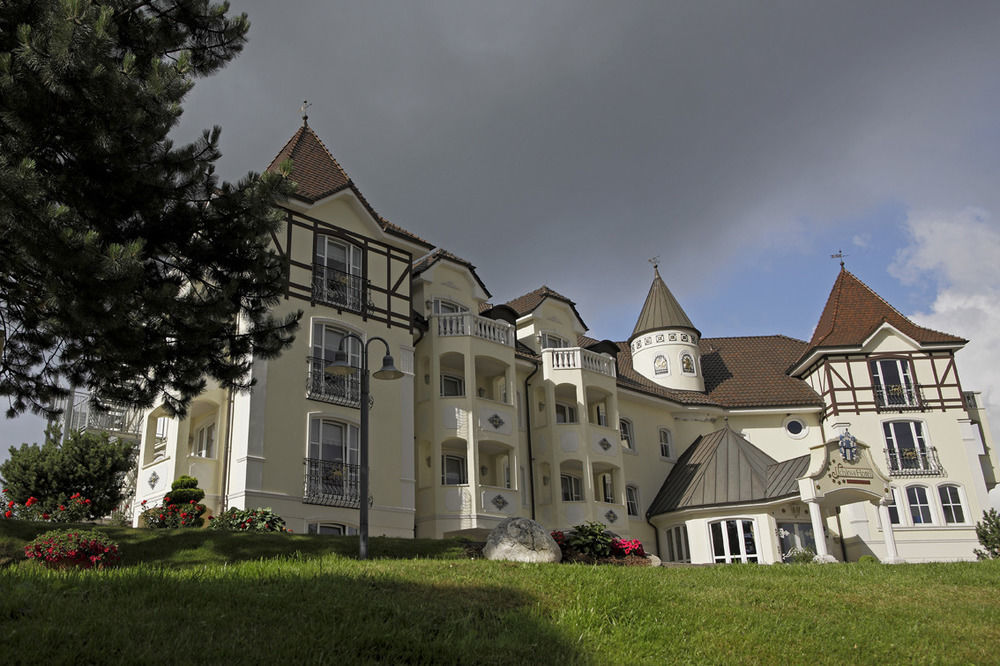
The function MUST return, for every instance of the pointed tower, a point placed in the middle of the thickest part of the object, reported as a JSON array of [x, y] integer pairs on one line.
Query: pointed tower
[[664, 342]]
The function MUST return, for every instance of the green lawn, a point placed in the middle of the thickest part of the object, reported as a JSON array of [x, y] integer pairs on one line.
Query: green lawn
[[198, 596]]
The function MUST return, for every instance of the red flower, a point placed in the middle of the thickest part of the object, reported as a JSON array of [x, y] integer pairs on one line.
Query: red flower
[[166, 500], [161, 516], [62, 508], [211, 517], [144, 502], [86, 501], [191, 502], [45, 516], [10, 504], [8, 513]]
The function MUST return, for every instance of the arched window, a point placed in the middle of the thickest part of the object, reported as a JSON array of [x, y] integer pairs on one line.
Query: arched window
[[907, 449], [321, 385], [666, 443], [687, 364], [632, 499], [920, 508], [332, 470], [628, 433], [893, 384], [951, 504]]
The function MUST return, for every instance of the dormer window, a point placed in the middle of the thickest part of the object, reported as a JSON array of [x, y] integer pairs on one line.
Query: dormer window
[[893, 384], [551, 341]]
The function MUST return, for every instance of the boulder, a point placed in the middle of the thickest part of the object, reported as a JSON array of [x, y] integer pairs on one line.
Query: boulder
[[521, 540], [654, 561]]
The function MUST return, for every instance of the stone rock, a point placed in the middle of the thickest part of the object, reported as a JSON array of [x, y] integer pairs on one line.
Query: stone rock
[[654, 561], [521, 540]]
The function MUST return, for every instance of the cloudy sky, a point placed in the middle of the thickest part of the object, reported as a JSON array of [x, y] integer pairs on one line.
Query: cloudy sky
[[566, 143]]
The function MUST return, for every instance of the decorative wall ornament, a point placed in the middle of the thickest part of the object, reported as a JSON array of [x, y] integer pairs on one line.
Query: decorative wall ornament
[[684, 337], [611, 516], [673, 337], [496, 421], [153, 479], [499, 502], [849, 447], [648, 340], [659, 337], [604, 443]]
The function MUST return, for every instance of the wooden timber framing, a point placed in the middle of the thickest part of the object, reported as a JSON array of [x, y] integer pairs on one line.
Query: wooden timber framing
[[386, 270]]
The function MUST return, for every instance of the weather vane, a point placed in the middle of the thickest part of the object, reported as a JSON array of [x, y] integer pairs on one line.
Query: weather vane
[[302, 109], [839, 255], [655, 261]]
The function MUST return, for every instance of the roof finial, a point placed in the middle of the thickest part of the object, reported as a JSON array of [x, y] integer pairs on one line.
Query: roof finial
[[840, 255], [302, 109], [656, 264]]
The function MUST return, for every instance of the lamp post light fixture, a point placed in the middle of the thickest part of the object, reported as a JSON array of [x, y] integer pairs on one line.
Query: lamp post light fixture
[[342, 367]]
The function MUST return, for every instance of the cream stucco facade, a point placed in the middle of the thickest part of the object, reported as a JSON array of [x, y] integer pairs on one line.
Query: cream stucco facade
[[706, 449]]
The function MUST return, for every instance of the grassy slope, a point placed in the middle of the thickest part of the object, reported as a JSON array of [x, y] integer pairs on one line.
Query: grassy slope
[[202, 597]]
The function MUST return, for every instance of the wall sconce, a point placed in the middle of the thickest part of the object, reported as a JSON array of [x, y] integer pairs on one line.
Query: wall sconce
[[483, 470]]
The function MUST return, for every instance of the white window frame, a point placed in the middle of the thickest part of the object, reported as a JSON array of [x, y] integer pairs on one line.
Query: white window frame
[[573, 484], [669, 455], [462, 479], [911, 504], [921, 448], [569, 412], [694, 366], [204, 440], [894, 506], [605, 487], [349, 449], [907, 390], [441, 306], [628, 433], [957, 502], [729, 556], [457, 380], [546, 340], [632, 500], [352, 264], [677, 548], [318, 528]]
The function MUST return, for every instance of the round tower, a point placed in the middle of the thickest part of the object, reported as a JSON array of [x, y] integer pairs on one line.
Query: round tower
[[664, 342]]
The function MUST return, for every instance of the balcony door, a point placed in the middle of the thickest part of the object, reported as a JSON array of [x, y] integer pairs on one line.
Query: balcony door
[[333, 458], [893, 383], [343, 390], [338, 273]]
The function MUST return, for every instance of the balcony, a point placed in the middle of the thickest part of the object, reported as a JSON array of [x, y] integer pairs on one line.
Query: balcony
[[466, 323], [115, 419], [577, 358], [913, 462], [338, 390], [332, 483], [339, 289], [898, 397]]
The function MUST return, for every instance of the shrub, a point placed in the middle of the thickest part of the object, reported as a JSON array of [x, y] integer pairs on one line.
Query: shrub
[[248, 520], [988, 532], [868, 559], [590, 539], [60, 549], [181, 508], [798, 556], [73, 509]]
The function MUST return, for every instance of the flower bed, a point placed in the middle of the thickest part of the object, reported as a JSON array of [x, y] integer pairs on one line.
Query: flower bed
[[62, 549]]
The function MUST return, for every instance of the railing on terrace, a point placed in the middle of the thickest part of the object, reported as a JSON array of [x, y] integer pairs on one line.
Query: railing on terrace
[[332, 483], [340, 390], [576, 358], [898, 397], [466, 323], [115, 419], [913, 462], [339, 289]]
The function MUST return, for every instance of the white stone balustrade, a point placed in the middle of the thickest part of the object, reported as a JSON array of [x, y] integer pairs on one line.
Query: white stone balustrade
[[466, 323], [576, 358]]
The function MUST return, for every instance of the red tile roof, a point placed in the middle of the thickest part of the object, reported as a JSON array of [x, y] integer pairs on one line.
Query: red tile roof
[[740, 373], [317, 175], [853, 312], [528, 302]]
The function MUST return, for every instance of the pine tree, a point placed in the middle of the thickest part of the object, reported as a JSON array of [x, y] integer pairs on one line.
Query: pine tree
[[126, 267]]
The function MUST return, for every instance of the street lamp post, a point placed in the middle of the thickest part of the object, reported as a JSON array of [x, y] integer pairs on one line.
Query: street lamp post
[[341, 367]]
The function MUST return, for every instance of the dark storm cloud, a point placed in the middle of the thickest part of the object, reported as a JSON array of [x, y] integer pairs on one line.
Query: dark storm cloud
[[567, 142]]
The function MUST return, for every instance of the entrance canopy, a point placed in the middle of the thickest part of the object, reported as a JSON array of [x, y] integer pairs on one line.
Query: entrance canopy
[[841, 471]]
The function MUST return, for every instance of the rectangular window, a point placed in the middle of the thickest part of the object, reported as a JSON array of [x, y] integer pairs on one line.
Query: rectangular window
[[677, 545], [204, 443], [160, 439], [906, 448], [893, 507], [602, 415], [565, 413], [452, 386], [572, 488], [332, 465], [627, 435], [331, 529], [734, 541], [632, 500], [665, 443], [550, 341], [447, 307], [337, 274], [920, 510], [951, 504], [796, 535], [453, 470], [893, 383], [322, 385], [607, 487]]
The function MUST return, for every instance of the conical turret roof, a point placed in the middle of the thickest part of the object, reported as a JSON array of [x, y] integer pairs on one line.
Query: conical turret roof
[[661, 310]]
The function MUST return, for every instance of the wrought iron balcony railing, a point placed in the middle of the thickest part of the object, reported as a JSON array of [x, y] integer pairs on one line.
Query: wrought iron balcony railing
[[114, 419], [898, 397], [340, 390], [332, 483], [913, 462], [339, 289]]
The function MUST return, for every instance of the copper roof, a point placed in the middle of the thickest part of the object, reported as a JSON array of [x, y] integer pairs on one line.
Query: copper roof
[[527, 303], [661, 310], [724, 468], [740, 373], [853, 312], [317, 175]]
